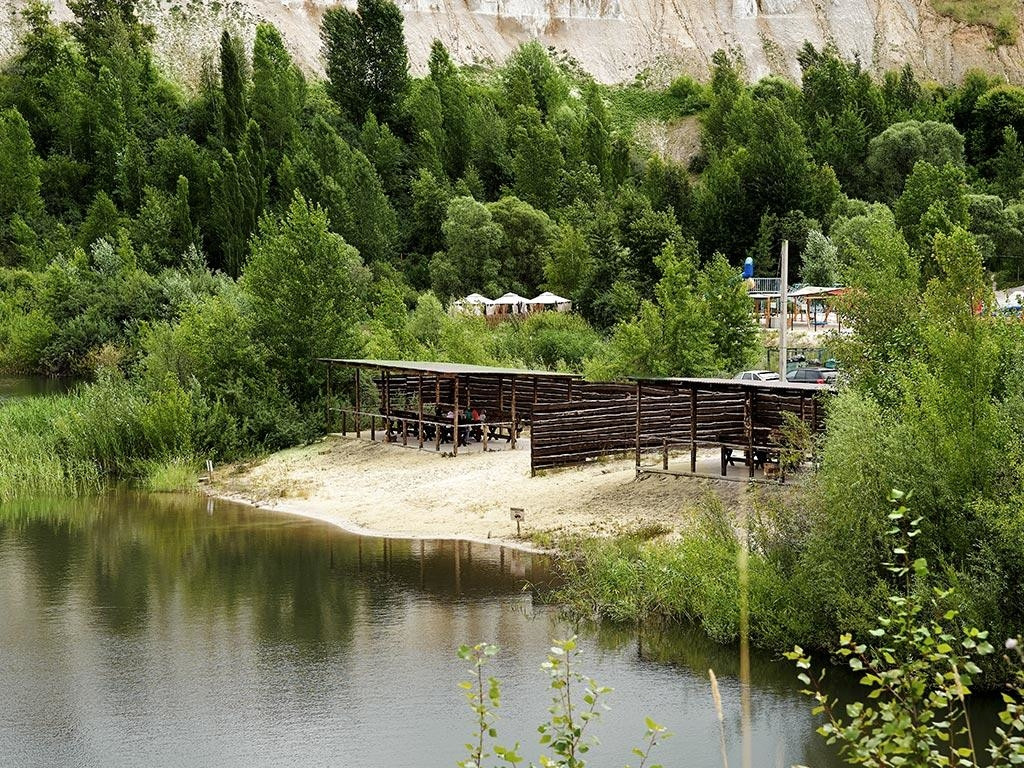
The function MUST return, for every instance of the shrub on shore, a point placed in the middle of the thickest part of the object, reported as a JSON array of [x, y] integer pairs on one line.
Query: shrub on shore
[[73, 444]]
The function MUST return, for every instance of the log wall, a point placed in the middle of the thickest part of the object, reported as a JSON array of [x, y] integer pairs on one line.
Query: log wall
[[603, 419]]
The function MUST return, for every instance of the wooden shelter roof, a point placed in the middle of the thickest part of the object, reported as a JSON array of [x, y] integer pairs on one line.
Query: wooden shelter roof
[[445, 369], [733, 385]]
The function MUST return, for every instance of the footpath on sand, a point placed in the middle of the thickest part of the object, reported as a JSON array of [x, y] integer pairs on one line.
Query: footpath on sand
[[384, 489]]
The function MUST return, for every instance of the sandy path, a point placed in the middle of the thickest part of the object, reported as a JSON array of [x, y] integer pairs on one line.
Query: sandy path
[[385, 489]]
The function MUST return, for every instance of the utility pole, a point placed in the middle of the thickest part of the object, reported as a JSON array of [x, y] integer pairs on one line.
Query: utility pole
[[783, 309]]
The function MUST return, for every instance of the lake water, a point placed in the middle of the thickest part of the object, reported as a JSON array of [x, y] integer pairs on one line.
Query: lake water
[[32, 386], [178, 631]]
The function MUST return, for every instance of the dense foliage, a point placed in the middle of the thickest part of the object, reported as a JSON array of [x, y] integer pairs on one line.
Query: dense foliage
[[196, 249]]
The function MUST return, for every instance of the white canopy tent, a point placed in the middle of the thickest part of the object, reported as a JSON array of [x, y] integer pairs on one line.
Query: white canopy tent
[[474, 304], [549, 300], [509, 304]]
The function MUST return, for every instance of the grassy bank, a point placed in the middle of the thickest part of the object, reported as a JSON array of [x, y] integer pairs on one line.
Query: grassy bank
[[1000, 15], [73, 444]]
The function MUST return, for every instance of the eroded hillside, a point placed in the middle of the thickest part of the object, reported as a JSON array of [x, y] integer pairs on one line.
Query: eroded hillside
[[613, 39]]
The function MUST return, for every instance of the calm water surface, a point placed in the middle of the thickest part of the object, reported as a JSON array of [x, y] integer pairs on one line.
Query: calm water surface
[[32, 386], [172, 631]]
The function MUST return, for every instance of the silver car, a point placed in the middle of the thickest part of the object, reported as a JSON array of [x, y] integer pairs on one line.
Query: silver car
[[757, 376]]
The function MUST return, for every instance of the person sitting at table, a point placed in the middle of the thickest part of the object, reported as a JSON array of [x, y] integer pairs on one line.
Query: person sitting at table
[[446, 435]]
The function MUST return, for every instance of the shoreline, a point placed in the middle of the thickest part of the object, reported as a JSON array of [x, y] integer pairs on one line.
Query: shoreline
[[349, 526], [385, 490]]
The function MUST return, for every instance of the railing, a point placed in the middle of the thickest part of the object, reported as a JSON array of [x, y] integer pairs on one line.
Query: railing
[[430, 429], [767, 285]]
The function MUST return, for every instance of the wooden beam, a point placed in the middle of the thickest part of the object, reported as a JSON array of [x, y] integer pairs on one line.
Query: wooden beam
[[358, 414], [420, 429], [455, 424], [515, 423], [327, 405], [748, 426], [693, 429], [639, 397]]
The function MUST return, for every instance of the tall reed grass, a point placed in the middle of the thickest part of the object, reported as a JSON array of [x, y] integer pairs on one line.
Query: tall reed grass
[[73, 444]]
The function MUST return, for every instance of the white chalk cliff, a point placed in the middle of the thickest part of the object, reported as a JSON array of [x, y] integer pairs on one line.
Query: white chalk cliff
[[612, 39]]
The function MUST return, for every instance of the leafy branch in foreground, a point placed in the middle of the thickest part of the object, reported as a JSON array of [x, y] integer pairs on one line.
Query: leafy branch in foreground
[[918, 668], [571, 712]]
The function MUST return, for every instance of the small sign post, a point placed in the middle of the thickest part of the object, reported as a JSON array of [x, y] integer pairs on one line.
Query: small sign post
[[519, 516]]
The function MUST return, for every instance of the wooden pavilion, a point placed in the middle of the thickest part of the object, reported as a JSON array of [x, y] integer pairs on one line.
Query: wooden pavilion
[[728, 414], [413, 398]]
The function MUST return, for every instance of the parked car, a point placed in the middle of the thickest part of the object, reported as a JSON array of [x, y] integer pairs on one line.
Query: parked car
[[757, 376], [813, 376]]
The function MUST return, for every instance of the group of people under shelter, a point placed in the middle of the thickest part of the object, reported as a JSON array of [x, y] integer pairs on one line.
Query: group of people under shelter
[[472, 423]]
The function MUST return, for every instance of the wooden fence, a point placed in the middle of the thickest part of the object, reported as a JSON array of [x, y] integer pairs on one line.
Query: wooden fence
[[662, 415]]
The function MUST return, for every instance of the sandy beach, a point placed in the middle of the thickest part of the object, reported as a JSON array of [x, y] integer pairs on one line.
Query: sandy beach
[[384, 489]]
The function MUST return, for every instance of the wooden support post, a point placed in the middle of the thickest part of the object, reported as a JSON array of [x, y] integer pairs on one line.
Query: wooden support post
[[569, 398], [344, 423], [387, 407], [693, 429], [327, 404], [501, 396], [455, 424], [359, 415], [420, 429], [515, 421], [437, 400], [639, 396], [373, 426], [534, 396], [748, 425], [664, 453], [405, 431]]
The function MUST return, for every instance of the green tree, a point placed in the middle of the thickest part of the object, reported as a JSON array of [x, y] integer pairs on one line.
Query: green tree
[[674, 335], [366, 59], [536, 160], [453, 94], [232, 79], [932, 198], [527, 233], [19, 174], [278, 91], [995, 109], [305, 289], [882, 301], [474, 248], [730, 314], [1006, 169], [893, 154], [102, 221], [820, 264], [568, 266]]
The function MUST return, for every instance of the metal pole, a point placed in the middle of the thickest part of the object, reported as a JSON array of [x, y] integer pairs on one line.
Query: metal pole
[[783, 309]]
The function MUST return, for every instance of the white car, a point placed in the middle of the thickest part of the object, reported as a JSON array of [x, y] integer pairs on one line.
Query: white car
[[757, 376]]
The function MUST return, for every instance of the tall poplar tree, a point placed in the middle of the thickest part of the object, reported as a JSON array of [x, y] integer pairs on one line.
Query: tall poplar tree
[[366, 59]]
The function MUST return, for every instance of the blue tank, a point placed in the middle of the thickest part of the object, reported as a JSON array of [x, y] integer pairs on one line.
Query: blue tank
[[748, 268]]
